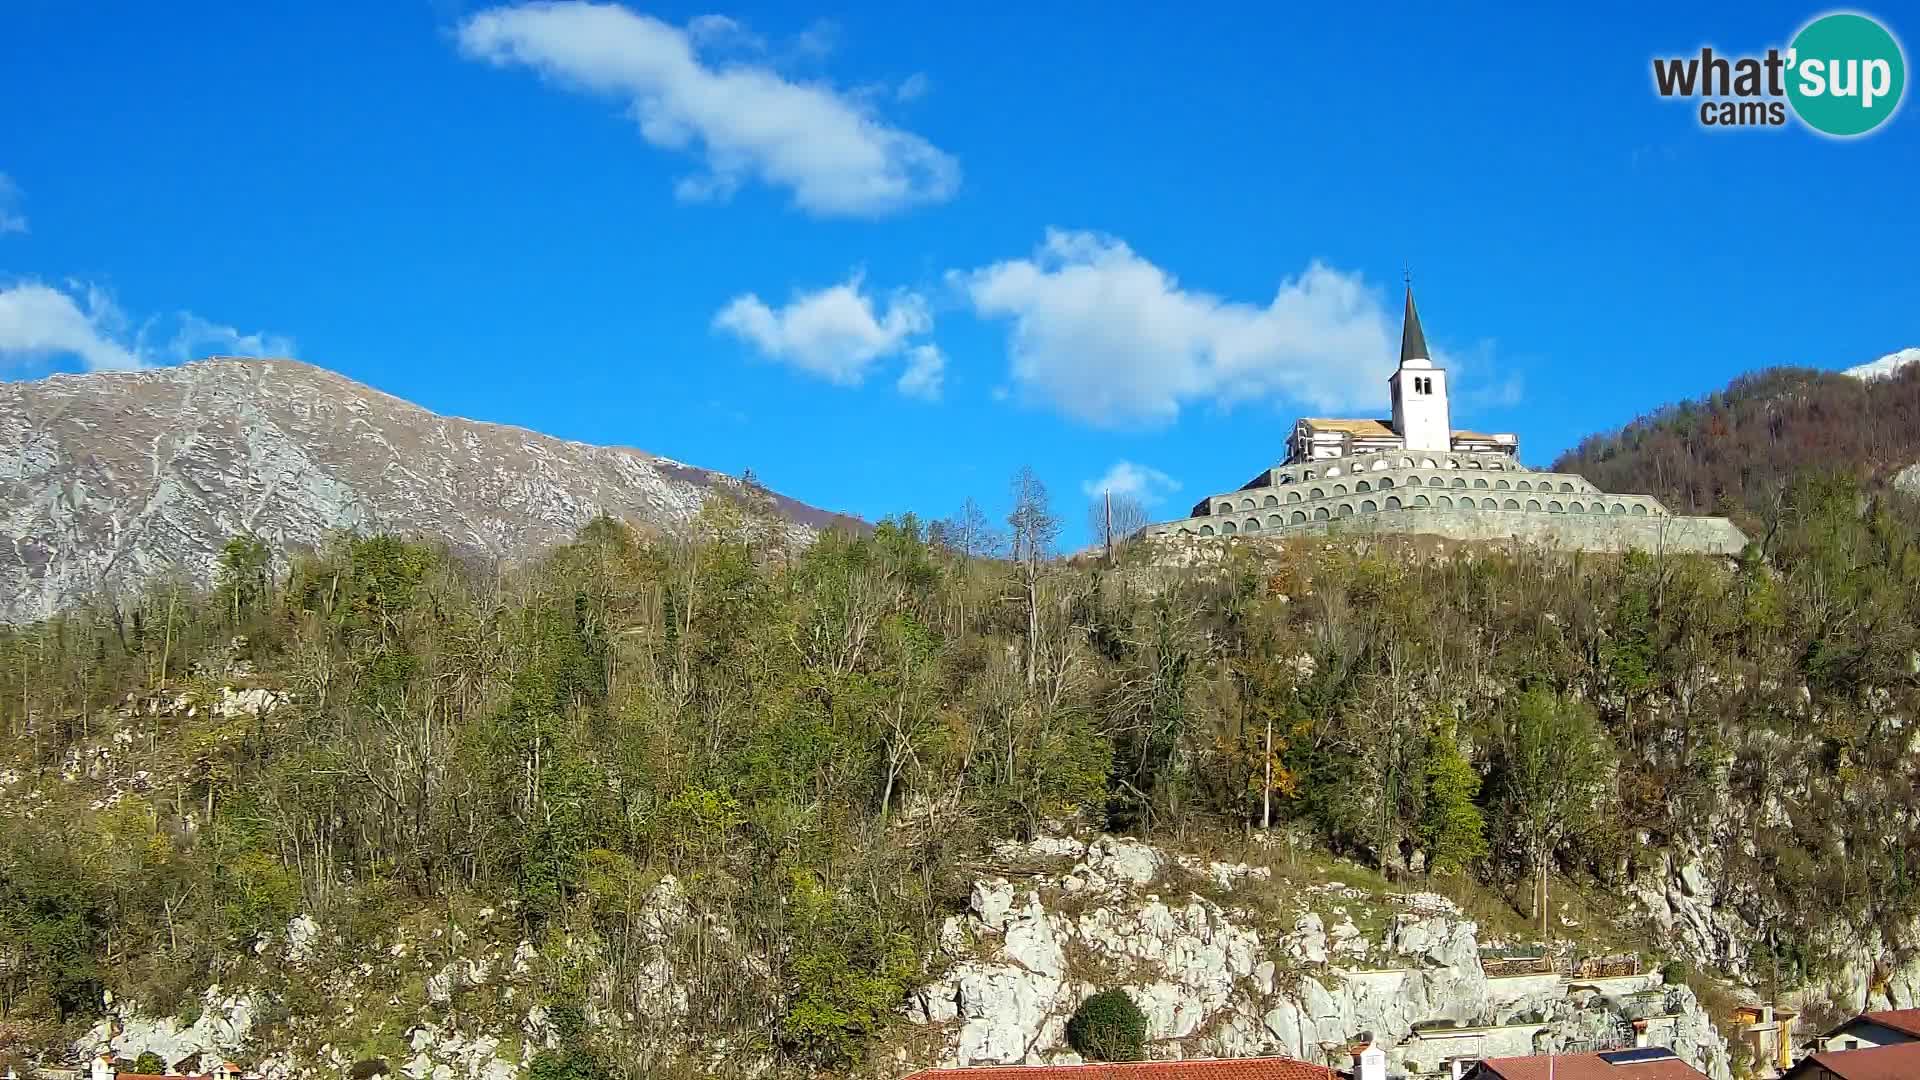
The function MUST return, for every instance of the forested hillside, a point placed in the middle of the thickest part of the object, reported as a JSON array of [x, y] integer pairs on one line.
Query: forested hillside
[[1737, 451], [815, 742]]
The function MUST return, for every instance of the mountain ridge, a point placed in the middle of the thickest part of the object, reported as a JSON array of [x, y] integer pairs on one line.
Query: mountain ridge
[[1731, 450], [1886, 365], [110, 481]]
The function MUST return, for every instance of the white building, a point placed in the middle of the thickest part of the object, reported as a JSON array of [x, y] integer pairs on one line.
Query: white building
[[1422, 418], [1890, 1027]]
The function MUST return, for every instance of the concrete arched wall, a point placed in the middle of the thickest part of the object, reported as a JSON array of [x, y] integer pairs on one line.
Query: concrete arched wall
[[1256, 511]]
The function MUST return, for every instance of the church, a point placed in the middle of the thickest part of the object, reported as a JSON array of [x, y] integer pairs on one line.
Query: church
[[1415, 473], [1421, 419]]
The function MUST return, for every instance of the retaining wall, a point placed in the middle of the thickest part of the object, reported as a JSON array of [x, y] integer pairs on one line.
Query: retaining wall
[[1593, 532]]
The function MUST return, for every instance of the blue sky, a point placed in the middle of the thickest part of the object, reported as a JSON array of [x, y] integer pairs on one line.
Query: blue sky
[[884, 255]]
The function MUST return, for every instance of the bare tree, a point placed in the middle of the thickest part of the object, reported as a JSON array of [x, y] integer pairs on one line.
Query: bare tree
[[1113, 519], [1035, 528], [970, 532]]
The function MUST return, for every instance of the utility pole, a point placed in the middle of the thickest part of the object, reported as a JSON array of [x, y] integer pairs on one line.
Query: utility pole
[[1109, 526], [1266, 789]]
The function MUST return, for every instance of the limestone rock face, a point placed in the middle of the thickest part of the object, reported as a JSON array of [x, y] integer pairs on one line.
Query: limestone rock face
[[222, 1028], [1024, 956], [234, 703], [302, 934], [1682, 897]]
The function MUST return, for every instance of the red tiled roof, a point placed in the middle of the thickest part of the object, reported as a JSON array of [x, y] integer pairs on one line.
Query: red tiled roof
[[1272, 1068], [1905, 1021], [1900, 1061], [1587, 1067]]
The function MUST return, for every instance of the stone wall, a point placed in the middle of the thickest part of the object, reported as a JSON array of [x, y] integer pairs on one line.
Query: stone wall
[[1429, 1049], [1460, 496], [1512, 988], [1593, 532], [1697, 535]]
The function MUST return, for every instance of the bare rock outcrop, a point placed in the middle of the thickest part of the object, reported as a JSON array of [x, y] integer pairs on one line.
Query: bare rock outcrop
[[1213, 982], [113, 480]]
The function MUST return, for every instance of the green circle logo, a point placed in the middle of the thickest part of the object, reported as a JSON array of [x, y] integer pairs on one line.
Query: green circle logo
[[1846, 74]]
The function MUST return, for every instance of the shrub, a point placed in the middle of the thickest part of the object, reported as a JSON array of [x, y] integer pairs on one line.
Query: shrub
[[849, 968], [149, 1063], [569, 1022], [573, 1064], [1109, 1027]]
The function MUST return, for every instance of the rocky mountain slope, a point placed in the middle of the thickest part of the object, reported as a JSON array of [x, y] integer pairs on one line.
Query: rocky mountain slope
[[1885, 366], [1731, 451], [1888, 368], [1223, 959], [111, 480]]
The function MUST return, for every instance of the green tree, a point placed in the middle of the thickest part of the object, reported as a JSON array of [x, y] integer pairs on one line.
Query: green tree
[[1452, 827], [1109, 1027], [1555, 760], [52, 918], [240, 579], [849, 969], [574, 1063]]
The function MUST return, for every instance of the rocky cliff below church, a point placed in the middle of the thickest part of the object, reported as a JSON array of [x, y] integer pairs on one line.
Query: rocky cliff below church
[[1220, 970]]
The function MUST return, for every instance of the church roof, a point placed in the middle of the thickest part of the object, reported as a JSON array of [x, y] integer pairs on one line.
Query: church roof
[[1413, 343], [1379, 429]]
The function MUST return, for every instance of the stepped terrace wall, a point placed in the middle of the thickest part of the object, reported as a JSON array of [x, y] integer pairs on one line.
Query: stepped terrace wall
[[1575, 532]]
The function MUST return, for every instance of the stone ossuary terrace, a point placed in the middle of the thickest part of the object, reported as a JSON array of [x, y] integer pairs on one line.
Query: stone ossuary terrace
[[1417, 474]]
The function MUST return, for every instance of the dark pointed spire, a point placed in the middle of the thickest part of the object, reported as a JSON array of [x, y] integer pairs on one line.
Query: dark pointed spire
[[1413, 343]]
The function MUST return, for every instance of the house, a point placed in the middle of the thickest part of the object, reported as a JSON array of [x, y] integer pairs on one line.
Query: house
[[1899, 1061], [1768, 1033], [1888, 1028], [1641, 1063], [1268, 1068]]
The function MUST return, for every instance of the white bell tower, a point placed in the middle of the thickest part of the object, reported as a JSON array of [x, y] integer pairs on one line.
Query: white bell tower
[[1420, 413]]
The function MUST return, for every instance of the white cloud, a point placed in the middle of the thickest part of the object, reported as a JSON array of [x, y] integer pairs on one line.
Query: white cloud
[[913, 88], [197, 337], [1107, 337], [746, 121], [11, 219], [925, 374], [818, 40], [1144, 483], [721, 30], [840, 333], [39, 322], [1477, 384]]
